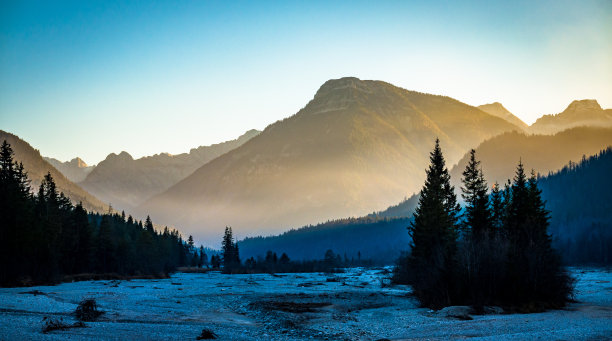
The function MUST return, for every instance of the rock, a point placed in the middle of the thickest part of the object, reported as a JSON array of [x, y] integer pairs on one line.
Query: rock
[[459, 312], [493, 310]]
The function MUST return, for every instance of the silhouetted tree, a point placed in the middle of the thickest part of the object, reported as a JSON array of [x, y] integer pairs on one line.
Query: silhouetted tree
[[434, 230], [477, 216]]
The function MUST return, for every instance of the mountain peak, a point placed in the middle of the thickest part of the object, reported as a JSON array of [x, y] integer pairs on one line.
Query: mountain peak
[[123, 156], [78, 162], [583, 105], [333, 85], [497, 109]]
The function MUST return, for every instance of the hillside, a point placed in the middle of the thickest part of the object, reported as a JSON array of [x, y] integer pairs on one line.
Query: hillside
[[126, 183], [585, 112], [543, 153], [75, 170], [580, 199], [497, 109], [357, 146], [380, 240], [578, 196], [37, 168]]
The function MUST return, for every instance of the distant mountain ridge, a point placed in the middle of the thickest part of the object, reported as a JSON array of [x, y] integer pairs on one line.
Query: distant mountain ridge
[[497, 109], [126, 183], [355, 147], [75, 170], [37, 168], [585, 112], [500, 155], [579, 196]]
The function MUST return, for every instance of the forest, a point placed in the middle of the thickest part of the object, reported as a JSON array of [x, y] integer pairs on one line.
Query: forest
[[495, 252], [44, 238], [578, 197]]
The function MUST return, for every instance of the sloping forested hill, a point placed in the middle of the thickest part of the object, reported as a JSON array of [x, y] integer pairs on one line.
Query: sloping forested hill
[[580, 199], [379, 239]]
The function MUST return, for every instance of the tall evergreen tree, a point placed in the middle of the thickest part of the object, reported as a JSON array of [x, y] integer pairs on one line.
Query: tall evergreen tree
[[434, 232], [477, 216], [231, 256], [497, 208]]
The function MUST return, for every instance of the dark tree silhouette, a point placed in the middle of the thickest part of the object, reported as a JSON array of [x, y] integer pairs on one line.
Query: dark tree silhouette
[[477, 216], [434, 231]]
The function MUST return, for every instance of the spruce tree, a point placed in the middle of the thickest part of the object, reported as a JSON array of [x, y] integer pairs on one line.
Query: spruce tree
[[477, 216], [497, 208], [434, 232], [231, 257]]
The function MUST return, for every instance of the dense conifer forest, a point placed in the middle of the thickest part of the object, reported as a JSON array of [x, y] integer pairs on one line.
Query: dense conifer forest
[[581, 223], [44, 237], [497, 251]]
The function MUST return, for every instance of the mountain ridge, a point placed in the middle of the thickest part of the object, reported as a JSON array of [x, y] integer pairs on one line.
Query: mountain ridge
[[37, 168], [355, 139], [126, 182]]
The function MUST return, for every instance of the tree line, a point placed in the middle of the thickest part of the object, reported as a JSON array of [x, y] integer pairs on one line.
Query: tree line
[[495, 251], [272, 263], [579, 196], [44, 237]]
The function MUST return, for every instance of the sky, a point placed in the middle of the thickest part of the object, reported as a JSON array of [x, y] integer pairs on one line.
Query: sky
[[87, 78]]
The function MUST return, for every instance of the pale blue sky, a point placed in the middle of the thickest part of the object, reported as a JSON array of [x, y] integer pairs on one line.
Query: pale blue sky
[[88, 78]]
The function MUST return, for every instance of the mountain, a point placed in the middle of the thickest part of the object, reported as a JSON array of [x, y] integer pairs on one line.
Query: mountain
[[126, 183], [543, 153], [580, 199], [585, 112], [500, 155], [497, 109], [355, 147], [37, 168], [75, 170], [379, 240]]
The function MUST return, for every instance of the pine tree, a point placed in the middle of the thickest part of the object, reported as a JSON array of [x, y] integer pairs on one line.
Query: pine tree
[[477, 216], [534, 268], [497, 208], [203, 257], [434, 232], [16, 225], [231, 257]]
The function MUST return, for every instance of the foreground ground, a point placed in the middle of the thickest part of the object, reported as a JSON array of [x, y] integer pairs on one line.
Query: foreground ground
[[354, 305]]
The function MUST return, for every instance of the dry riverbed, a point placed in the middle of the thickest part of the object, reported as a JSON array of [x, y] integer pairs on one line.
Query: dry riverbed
[[355, 305]]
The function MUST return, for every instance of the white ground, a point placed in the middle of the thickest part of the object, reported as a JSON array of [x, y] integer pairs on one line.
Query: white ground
[[350, 306]]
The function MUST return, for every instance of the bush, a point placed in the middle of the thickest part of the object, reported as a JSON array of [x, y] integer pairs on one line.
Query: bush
[[87, 310]]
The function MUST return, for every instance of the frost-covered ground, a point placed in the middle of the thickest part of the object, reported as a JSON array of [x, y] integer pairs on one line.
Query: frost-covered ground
[[352, 305]]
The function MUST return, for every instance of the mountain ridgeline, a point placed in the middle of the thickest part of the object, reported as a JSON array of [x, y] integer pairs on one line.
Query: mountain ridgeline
[[75, 170], [126, 183], [585, 112], [356, 147], [37, 168], [577, 197]]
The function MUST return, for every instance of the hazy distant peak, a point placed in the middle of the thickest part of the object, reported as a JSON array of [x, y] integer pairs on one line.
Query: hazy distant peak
[[123, 156], [497, 109], [78, 162], [582, 106]]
